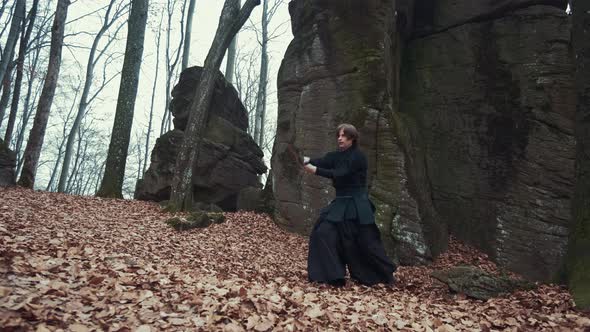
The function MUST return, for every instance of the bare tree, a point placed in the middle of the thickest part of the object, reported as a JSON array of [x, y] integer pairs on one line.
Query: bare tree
[[20, 61], [264, 39], [231, 55], [80, 155], [263, 83], [578, 263], [28, 107], [62, 141], [246, 81], [6, 89], [155, 83], [3, 7], [171, 61], [230, 22], [187, 36], [35, 142], [138, 154], [4, 24], [87, 158], [35, 79], [26, 115], [17, 18], [112, 181], [85, 98]]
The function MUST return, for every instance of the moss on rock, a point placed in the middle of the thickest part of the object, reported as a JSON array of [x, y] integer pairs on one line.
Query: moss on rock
[[198, 219]]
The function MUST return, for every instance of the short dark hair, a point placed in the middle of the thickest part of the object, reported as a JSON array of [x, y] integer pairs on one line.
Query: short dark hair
[[349, 131]]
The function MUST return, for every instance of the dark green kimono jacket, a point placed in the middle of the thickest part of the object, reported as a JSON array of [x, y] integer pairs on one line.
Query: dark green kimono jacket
[[348, 171]]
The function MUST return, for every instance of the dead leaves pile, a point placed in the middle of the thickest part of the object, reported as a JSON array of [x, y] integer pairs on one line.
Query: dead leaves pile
[[84, 264]]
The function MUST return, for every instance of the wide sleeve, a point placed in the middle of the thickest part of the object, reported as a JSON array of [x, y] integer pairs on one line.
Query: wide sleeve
[[324, 162], [357, 161]]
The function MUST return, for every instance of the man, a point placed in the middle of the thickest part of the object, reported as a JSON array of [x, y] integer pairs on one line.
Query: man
[[346, 234]]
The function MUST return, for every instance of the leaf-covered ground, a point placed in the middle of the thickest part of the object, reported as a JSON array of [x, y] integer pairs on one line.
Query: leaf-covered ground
[[85, 263]]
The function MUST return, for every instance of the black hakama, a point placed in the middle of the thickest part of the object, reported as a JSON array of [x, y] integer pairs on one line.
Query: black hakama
[[333, 246]]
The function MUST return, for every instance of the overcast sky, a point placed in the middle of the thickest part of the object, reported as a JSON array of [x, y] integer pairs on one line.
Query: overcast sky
[[204, 26]]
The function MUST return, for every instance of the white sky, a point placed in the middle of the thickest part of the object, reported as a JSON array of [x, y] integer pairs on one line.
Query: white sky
[[204, 26]]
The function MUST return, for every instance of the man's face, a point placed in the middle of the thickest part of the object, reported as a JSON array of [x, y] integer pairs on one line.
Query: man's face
[[343, 141]]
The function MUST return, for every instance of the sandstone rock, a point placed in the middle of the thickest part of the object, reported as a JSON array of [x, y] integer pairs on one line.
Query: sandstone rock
[[7, 165], [229, 159], [226, 103], [249, 199], [333, 72], [493, 104], [479, 137], [197, 219], [479, 284], [432, 16], [578, 260]]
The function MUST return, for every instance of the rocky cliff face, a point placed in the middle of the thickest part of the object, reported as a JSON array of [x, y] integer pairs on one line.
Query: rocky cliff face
[[465, 111], [493, 102], [333, 72], [229, 162]]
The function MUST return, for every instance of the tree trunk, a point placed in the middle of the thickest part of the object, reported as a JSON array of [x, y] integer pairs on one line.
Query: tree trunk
[[56, 165], [230, 22], [171, 65], [2, 7], [188, 32], [112, 181], [64, 137], [20, 62], [98, 176], [27, 110], [86, 184], [35, 142], [579, 242], [77, 162], [61, 186], [27, 107], [151, 118], [263, 81], [230, 65], [6, 86], [17, 19]]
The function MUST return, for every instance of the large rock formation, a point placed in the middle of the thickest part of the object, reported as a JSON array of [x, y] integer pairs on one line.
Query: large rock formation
[[333, 72], [475, 133], [7, 165], [229, 162], [492, 101], [578, 262]]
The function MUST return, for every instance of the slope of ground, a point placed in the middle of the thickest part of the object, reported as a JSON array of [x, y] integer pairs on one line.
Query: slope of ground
[[85, 263]]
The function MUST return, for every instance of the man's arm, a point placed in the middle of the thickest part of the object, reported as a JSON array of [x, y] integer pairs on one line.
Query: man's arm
[[356, 162], [324, 162]]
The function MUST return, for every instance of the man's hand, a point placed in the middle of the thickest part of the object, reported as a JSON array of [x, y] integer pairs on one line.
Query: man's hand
[[310, 168], [305, 160]]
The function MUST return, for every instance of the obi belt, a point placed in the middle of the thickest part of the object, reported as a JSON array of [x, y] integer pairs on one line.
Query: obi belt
[[351, 205]]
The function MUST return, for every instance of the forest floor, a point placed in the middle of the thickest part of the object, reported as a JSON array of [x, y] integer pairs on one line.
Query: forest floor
[[86, 263]]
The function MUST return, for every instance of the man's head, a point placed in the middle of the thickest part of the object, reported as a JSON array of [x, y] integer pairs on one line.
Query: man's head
[[347, 136]]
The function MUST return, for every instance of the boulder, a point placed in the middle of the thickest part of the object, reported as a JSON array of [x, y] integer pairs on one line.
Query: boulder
[[249, 199], [466, 114], [197, 219], [479, 284], [333, 72], [491, 106], [226, 102], [229, 159]]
